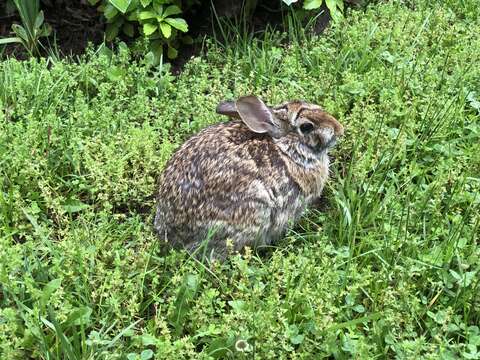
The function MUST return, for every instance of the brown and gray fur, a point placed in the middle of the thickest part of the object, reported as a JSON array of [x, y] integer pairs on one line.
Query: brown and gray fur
[[247, 179]]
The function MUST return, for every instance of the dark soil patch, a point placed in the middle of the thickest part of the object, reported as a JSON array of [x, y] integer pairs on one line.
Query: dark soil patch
[[74, 24]]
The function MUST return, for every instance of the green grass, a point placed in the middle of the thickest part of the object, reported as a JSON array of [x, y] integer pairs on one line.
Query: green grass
[[390, 269]]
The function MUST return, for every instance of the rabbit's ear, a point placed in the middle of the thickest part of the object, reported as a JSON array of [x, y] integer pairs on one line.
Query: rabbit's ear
[[227, 108], [256, 115]]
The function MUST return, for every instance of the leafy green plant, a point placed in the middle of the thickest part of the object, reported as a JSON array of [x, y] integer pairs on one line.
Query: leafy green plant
[[156, 20], [334, 6], [32, 29], [161, 24]]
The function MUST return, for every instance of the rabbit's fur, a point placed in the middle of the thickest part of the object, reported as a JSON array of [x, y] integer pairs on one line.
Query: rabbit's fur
[[247, 179]]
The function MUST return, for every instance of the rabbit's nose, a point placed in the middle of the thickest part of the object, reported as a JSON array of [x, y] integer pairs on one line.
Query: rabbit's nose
[[329, 121], [327, 132], [326, 135]]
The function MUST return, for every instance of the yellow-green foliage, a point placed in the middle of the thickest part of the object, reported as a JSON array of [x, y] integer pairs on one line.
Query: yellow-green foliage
[[388, 269]]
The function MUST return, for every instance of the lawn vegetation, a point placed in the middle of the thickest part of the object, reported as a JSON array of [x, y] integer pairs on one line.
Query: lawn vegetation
[[388, 268]]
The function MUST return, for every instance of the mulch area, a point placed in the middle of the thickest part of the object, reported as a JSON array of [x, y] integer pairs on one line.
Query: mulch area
[[74, 23]]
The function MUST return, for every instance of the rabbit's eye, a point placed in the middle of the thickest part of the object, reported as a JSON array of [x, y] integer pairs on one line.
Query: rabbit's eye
[[306, 128]]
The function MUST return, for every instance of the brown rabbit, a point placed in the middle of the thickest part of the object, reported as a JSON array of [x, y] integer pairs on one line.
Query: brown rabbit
[[247, 179]]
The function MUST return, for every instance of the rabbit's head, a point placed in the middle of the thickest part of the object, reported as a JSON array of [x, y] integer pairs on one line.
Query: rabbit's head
[[303, 131]]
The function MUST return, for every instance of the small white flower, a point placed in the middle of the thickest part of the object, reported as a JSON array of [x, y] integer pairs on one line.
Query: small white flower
[[242, 345]]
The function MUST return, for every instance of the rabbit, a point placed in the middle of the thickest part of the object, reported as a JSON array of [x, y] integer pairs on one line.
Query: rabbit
[[244, 182]]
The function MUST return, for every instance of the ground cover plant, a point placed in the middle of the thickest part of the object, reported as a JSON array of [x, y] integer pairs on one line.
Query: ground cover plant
[[387, 269]]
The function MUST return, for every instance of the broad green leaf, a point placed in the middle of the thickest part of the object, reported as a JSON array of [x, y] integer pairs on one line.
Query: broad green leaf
[[48, 290], [10, 40], [148, 339], [133, 7], [80, 316], [74, 205], [359, 308], [20, 32], [158, 8], [154, 56], [110, 12], [133, 16], [39, 20], [297, 339], [146, 354], [218, 348], [149, 28], [150, 59], [145, 3], [121, 5], [177, 23], [105, 51], [129, 333], [46, 30], [331, 5], [312, 4], [172, 10], [166, 29], [116, 73], [144, 15], [237, 305], [465, 279], [172, 53], [334, 10]]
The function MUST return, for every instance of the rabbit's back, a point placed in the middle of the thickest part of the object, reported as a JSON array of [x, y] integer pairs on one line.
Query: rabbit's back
[[229, 181]]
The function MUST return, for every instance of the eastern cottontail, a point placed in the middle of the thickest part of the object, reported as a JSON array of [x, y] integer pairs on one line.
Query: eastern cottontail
[[247, 179]]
